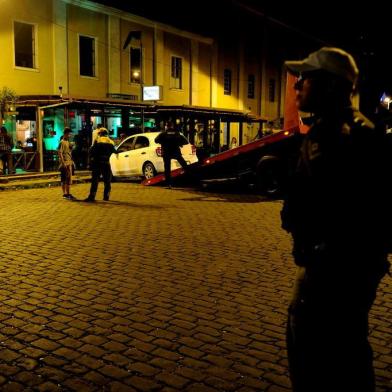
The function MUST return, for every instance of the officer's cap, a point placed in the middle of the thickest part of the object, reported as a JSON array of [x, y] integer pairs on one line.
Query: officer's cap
[[332, 60]]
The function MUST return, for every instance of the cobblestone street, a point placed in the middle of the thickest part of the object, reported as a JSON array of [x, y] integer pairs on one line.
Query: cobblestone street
[[156, 290]]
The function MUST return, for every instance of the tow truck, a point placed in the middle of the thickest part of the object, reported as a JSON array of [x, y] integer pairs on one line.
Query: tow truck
[[264, 163]]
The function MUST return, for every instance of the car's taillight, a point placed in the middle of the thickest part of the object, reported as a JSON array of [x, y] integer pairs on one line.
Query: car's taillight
[[158, 151], [193, 149]]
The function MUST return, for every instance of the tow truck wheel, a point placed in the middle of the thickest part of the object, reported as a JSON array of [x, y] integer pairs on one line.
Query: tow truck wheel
[[269, 179]]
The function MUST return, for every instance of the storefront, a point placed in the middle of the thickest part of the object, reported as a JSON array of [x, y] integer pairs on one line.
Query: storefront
[[212, 130], [39, 123]]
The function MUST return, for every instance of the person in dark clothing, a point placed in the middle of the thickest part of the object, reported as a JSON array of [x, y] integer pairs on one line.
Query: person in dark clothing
[[171, 142], [337, 211], [100, 153], [6, 145]]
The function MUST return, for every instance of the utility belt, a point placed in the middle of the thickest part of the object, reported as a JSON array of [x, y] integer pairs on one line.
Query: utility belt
[[319, 255]]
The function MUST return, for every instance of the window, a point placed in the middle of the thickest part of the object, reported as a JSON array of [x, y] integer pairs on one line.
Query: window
[[141, 142], [87, 56], [251, 86], [271, 90], [227, 82], [176, 72], [135, 60], [127, 145], [24, 36]]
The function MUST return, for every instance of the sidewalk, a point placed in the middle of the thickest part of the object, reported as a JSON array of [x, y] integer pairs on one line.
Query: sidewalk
[[40, 180]]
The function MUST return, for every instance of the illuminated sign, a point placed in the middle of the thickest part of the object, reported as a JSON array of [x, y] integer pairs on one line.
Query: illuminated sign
[[152, 93]]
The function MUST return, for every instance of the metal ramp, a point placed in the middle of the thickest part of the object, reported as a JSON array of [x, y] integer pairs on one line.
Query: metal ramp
[[202, 167]]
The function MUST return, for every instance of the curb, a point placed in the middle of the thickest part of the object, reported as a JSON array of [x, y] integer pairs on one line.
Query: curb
[[14, 186]]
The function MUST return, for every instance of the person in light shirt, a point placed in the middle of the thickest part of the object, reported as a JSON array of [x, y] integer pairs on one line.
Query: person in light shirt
[[66, 164]]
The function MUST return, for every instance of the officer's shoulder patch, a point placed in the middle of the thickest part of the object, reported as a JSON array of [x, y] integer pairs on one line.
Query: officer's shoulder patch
[[314, 150]]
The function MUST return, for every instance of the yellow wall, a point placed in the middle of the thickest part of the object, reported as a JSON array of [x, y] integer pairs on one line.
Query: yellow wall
[[203, 76], [227, 60], [178, 47], [271, 109], [147, 57], [207, 59], [252, 104], [27, 81], [85, 22]]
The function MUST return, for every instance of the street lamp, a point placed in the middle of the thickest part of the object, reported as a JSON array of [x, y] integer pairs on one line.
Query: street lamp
[[386, 100]]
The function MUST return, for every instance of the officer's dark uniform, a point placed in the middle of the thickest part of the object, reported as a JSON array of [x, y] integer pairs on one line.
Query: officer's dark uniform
[[100, 154], [171, 142], [337, 211]]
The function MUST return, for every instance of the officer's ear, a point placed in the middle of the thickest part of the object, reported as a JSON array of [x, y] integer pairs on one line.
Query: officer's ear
[[332, 86], [336, 86]]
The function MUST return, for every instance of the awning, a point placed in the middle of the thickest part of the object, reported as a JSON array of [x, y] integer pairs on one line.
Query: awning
[[75, 102], [223, 114]]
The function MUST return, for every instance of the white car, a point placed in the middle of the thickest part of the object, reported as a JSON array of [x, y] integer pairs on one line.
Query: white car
[[139, 155]]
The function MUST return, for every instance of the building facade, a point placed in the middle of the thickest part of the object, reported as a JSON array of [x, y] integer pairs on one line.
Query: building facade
[[78, 63]]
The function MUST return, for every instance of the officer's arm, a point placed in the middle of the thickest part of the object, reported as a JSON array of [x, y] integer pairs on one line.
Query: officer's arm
[[158, 139], [92, 151]]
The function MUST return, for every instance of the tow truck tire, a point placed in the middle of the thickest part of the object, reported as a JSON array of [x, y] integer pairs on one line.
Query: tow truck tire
[[270, 178]]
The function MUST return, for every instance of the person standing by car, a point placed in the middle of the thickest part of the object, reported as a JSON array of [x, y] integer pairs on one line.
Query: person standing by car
[[171, 142], [100, 154], [95, 134], [66, 164], [338, 213]]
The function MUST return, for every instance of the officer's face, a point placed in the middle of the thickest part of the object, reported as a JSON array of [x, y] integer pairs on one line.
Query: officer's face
[[306, 93], [318, 91]]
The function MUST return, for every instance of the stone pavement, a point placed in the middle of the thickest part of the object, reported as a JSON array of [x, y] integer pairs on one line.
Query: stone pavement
[[157, 290]]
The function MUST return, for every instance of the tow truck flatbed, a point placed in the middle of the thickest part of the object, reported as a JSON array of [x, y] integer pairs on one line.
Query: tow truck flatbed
[[227, 163]]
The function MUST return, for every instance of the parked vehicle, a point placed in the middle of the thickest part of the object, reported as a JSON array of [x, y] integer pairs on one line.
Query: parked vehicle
[[139, 155]]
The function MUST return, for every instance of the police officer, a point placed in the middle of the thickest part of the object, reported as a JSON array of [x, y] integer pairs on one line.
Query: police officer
[[337, 211], [100, 153], [171, 142]]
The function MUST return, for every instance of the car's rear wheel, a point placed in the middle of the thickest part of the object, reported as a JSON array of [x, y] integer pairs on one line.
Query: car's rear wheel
[[149, 170]]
